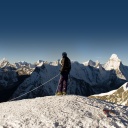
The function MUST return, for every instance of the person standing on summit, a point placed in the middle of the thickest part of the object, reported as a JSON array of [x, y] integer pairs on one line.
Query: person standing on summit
[[64, 71]]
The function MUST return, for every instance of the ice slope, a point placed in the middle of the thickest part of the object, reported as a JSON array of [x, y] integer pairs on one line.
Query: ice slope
[[119, 96], [62, 112]]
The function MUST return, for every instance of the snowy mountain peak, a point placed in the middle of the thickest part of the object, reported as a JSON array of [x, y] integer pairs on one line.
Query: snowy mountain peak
[[23, 62], [54, 63], [90, 63], [98, 65], [4, 62], [114, 57], [39, 61], [113, 63]]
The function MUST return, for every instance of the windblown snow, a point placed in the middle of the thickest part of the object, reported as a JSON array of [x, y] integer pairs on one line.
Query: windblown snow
[[62, 112]]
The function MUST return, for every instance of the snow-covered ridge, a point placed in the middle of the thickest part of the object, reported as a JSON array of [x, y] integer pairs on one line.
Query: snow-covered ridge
[[119, 96], [90, 63], [125, 86], [21, 64], [62, 112]]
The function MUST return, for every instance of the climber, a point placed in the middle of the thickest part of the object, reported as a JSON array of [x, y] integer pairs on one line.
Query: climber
[[64, 71]]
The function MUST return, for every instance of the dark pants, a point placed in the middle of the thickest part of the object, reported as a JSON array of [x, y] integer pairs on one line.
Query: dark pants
[[63, 82]]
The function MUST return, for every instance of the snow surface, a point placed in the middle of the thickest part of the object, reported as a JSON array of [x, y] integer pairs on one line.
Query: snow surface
[[113, 63], [23, 64], [119, 96], [89, 62], [125, 86], [3, 62], [106, 93], [62, 112], [114, 57]]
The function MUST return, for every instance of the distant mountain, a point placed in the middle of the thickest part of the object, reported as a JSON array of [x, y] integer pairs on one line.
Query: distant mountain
[[23, 64], [119, 96], [114, 63], [85, 79], [24, 68], [93, 64], [90, 63], [11, 76], [43, 74], [8, 75], [4, 64]]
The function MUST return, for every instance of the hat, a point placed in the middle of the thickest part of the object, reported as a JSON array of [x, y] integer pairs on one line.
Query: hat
[[64, 54]]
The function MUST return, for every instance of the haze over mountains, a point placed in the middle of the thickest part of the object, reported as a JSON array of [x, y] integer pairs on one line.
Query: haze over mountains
[[85, 79]]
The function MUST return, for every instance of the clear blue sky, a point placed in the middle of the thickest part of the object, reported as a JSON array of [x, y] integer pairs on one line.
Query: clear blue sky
[[42, 29]]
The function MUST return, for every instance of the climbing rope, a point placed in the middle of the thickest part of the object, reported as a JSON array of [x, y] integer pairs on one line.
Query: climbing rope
[[35, 88]]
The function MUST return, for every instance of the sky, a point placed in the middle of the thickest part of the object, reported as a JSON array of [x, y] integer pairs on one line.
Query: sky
[[32, 30]]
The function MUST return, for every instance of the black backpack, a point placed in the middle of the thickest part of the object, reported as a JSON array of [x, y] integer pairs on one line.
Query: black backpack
[[67, 64]]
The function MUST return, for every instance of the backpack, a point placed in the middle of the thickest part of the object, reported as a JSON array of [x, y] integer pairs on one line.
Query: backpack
[[67, 65]]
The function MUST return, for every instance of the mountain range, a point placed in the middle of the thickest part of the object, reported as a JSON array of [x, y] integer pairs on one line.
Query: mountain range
[[86, 78]]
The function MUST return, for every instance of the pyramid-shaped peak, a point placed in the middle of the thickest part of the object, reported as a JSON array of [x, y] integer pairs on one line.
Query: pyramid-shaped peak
[[114, 57], [113, 63]]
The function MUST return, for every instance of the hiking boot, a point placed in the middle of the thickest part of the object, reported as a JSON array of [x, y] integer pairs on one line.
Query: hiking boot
[[58, 93], [64, 93]]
